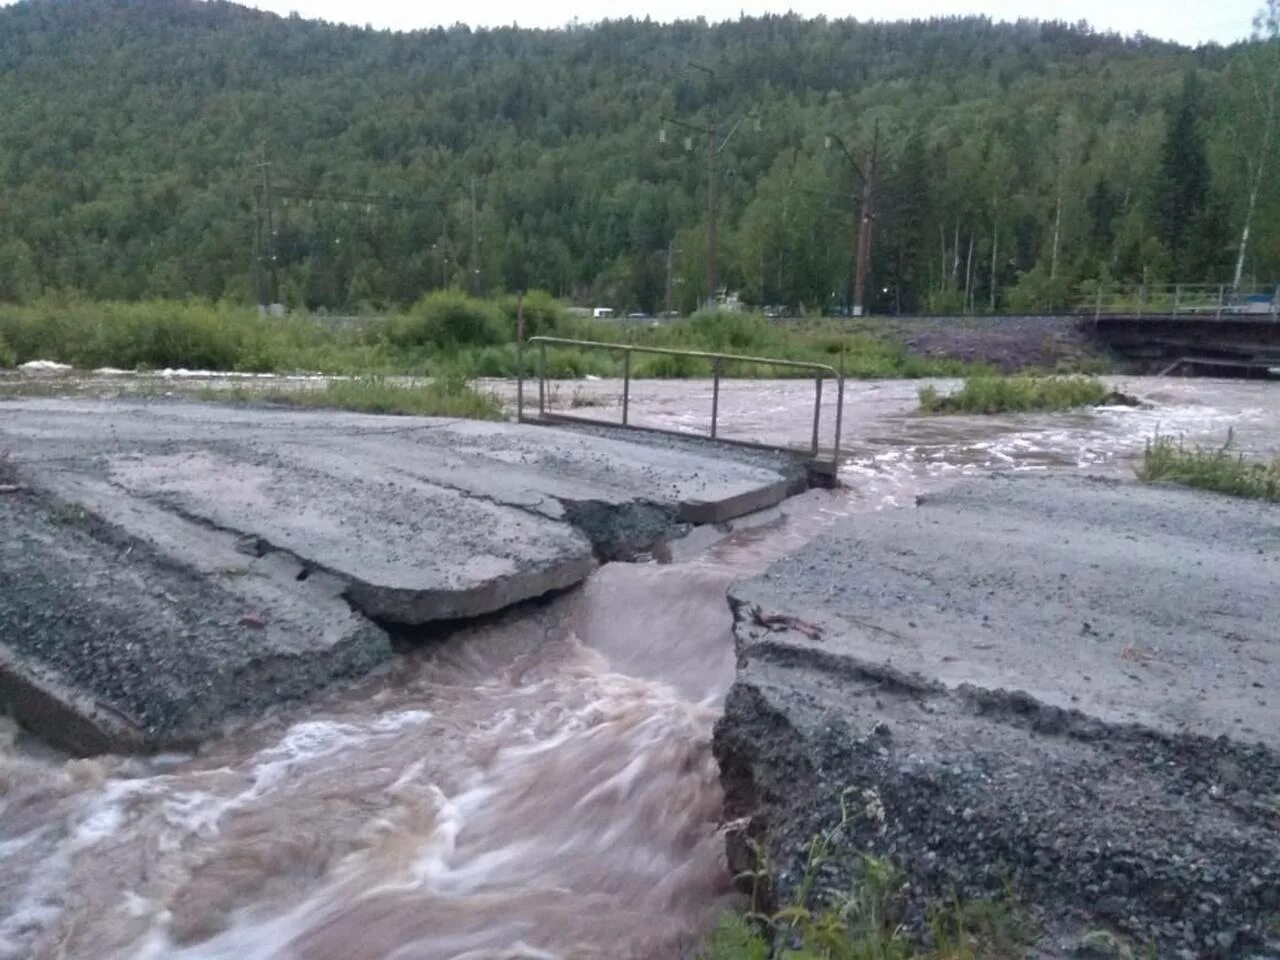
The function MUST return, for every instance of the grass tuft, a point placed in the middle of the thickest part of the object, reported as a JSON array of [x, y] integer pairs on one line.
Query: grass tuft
[[1169, 460], [1019, 394], [439, 398], [866, 922]]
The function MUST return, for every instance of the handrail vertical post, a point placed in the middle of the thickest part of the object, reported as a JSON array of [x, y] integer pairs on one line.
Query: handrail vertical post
[[835, 448], [519, 381], [520, 358], [1222, 293], [817, 409], [542, 379], [1177, 298], [1097, 309], [626, 385], [715, 395]]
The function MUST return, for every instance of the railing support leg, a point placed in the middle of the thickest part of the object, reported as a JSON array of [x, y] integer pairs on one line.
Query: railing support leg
[[835, 449], [817, 410], [1222, 294], [626, 386], [715, 396], [542, 379], [519, 380]]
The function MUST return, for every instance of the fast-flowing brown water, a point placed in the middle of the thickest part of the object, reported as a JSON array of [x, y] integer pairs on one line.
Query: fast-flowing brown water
[[540, 786]]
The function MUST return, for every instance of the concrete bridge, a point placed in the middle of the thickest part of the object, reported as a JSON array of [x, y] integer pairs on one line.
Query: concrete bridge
[[1232, 344]]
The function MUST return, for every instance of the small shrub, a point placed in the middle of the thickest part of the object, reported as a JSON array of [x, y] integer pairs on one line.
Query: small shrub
[[724, 332], [543, 314], [1168, 460], [582, 399], [491, 362], [446, 397], [865, 923], [989, 395], [448, 320], [665, 366]]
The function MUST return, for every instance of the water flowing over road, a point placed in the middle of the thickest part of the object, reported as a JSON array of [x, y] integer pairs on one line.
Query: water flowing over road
[[537, 785]]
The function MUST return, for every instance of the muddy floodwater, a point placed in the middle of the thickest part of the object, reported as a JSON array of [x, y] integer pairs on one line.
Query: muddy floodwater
[[538, 785]]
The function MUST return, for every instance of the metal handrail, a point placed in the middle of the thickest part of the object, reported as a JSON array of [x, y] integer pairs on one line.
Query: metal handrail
[[1178, 299], [821, 371]]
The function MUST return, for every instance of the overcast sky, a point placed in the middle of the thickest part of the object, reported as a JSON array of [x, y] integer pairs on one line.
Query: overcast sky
[[1187, 21]]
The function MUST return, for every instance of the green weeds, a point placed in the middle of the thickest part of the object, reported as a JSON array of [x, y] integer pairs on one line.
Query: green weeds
[[1165, 459], [1018, 394], [439, 398], [445, 334], [865, 922]]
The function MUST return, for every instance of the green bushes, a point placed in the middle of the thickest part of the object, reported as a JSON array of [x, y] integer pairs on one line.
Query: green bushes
[[720, 332], [1019, 394], [667, 367], [448, 320], [444, 333], [543, 314], [1220, 470], [170, 333]]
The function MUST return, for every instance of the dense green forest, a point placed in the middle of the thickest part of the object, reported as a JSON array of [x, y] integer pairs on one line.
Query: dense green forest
[[1017, 162]]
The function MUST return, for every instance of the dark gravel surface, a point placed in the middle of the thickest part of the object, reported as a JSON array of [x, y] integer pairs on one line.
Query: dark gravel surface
[[170, 652], [1007, 343], [900, 673]]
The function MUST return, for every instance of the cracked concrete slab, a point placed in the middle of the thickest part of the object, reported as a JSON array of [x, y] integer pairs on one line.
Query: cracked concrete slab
[[1062, 686], [109, 641], [1133, 604], [258, 537]]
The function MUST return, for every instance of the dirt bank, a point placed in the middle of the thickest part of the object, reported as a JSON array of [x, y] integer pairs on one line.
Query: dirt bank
[[1063, 685], [1010, 344]]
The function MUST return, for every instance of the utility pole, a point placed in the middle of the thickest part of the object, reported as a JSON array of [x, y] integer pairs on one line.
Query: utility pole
[[671, 249], [715, 147], [443, 247], [475, 243], [866, 214], [266, 244], [713, 215]]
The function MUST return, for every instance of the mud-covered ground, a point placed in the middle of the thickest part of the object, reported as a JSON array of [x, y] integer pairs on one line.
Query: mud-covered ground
[[1008, 343], [1063, 687]]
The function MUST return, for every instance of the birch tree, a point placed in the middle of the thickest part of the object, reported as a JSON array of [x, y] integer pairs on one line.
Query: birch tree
[[1263, 68]]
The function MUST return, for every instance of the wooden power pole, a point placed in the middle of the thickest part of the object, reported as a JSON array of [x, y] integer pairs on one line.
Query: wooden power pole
[[865, 213]]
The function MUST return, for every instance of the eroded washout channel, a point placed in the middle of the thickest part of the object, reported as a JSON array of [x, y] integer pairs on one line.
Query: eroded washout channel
[[538, 785]]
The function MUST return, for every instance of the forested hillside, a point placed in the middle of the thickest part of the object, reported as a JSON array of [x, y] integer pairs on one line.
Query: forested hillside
[[1016, 162]]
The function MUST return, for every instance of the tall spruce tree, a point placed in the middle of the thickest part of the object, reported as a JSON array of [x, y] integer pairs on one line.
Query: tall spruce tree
[[1184, 183]]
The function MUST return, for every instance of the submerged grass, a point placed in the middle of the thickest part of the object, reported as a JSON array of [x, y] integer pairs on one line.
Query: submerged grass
[[1017, 394], [438, 398], [1169, 460]]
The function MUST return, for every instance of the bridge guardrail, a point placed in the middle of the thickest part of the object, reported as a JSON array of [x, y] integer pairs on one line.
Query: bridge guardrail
[[1182, 299], [821, 372]]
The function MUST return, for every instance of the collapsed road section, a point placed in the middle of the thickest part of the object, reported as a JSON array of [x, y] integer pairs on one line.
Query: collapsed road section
[[168, 567], [1063, 687]]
